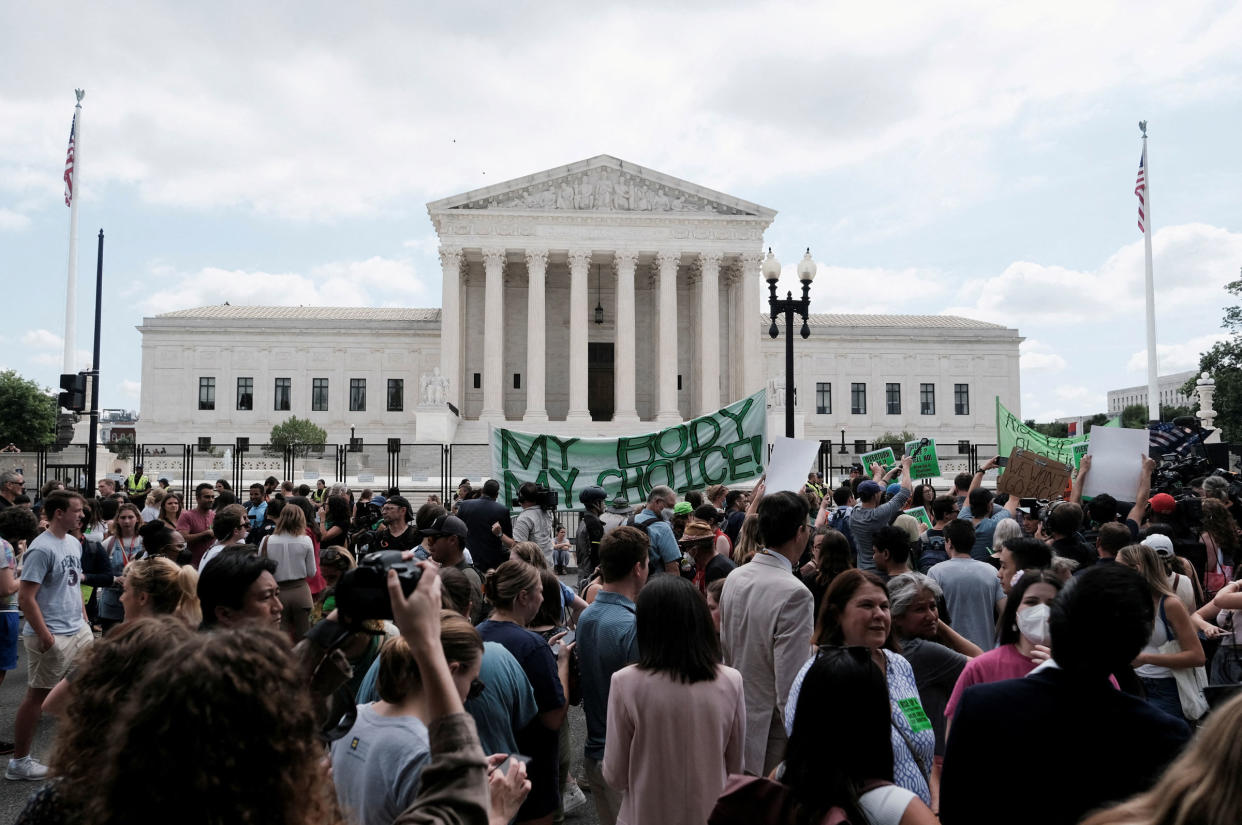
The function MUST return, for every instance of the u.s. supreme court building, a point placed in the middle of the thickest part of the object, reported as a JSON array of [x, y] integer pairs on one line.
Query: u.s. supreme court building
[[594, 299]]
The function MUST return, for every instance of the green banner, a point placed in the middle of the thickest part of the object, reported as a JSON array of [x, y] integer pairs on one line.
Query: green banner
[[883, 456], [724, 447], [1011, 432], [926, 465]]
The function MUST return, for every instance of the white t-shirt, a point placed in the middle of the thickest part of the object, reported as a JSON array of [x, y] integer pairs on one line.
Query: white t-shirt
[[886, 804]]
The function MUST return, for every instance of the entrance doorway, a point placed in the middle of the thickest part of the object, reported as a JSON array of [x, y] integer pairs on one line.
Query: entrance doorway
[[600, 385]]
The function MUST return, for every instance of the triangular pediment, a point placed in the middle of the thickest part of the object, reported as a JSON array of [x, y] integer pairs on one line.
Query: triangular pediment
[[602, 184]]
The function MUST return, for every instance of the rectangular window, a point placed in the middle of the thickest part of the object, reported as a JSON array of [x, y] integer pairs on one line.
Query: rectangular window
[[284, 389], [204, 443], [858, 399], [517, 380], [396, 394], [927, 399], [961, 399], [319, 394], [892, 398], [245, 393], [206, 393], [478, 380], [823, 399], [357, 394]]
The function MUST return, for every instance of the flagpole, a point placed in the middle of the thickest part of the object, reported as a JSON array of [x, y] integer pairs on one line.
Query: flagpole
[[1153, 391], [71, 288]]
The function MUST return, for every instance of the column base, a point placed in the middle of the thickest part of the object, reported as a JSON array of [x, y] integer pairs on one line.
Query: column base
[[668, 417], [625, 417], [492, 415], [535, 417], [578, 416]]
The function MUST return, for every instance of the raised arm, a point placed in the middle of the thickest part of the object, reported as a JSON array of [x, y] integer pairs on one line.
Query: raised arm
[[1084, 467], [977, 480], [1143, 492]]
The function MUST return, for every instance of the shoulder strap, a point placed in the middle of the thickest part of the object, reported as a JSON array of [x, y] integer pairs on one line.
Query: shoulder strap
[[263, 547], [1164, 619]]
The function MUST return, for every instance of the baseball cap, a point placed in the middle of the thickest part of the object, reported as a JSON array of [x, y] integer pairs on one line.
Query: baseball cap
[[893, 488], [445, 526], [869, 488], [1162, 503], [1163, 545]]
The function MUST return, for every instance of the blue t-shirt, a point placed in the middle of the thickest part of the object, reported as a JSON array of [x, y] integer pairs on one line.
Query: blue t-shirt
[[8, 604], [664, 547], [607, 642], [378, 765], [56, 566]]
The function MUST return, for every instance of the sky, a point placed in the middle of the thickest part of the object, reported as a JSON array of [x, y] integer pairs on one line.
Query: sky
[[969, 158]]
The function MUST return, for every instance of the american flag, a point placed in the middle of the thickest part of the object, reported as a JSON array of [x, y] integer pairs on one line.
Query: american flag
[[1140, 189], [1168, 437], [69, 164]]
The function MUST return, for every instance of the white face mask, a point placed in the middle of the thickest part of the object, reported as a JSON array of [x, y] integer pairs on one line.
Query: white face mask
[[1033, 623]]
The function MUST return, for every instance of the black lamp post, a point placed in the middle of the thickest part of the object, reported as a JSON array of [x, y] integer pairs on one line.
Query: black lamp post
[[789, 306]]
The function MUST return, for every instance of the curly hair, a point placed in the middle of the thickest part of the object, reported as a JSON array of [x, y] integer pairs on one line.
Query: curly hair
[[232, 711], [1219, 523], [108, 670]]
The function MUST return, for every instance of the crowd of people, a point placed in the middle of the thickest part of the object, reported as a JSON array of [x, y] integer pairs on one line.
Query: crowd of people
[[320, 655]]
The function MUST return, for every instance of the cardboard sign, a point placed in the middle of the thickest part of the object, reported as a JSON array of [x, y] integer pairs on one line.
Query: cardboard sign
[[1029, 475], [884, 457], [920, 513], [925, 464]]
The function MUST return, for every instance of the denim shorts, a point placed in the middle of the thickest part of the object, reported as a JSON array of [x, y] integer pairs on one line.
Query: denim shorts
[[9, 623]]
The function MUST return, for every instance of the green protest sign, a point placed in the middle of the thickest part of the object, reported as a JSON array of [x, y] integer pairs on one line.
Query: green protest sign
[[920, 513], [884, 457], [1011, 433], [723, 447], [926, 465], [1080, 450]]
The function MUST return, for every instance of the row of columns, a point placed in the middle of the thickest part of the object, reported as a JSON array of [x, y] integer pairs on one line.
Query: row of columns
[[744, 340]]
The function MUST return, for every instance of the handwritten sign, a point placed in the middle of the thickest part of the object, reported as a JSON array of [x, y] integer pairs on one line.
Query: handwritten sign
[[920, 513], [925, 464], [1029, 475], [1080, 450]]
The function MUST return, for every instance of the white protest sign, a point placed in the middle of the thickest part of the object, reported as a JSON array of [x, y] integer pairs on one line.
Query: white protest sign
[[791, 460], [1115, 461]]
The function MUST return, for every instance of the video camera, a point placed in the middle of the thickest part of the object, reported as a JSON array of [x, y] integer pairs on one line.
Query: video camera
[[362, 593], [543, 497]]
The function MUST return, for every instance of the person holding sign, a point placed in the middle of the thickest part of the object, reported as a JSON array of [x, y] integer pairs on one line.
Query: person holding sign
[[870, 515], [982, 514]]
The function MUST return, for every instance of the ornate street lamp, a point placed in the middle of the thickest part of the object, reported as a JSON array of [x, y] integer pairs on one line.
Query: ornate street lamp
[[788, 307]]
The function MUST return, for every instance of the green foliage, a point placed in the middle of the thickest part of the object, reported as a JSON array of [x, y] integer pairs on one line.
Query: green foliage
[[1134, 416], [123, 447], [1224, 363], [895, 440], [27, 413], [299, 433], [1097, 420], [1052, 429]]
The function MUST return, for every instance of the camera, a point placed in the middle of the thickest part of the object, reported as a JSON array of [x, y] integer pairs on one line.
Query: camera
[[543, 497], [362, 593]]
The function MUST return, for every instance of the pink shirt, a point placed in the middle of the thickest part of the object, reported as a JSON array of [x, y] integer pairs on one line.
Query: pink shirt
[[192, 521], [999, 663]]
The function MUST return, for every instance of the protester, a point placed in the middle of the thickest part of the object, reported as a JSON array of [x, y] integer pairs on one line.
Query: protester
[[982, 514], [534, 523], [18, 526], [831, 555], [123, 544], [490, 528], [1220, 538], [170, 509], [678, 692], [856, 613], [239, 588], [229, 527], [1225, 609], [972, 592], [158, 587], [195, 524], [698, 540], [294, 554], [1019, 554], [872, 512]]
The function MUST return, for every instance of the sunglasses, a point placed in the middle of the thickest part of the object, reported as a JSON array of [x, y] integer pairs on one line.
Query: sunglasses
[[476, 689]]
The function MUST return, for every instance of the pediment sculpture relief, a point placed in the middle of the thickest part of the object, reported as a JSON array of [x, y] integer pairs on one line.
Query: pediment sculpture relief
[[605, 190]]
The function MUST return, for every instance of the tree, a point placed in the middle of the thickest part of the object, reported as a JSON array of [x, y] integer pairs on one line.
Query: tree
[[1097, 420], [123, 447], [27, 413], [1052, 429], [1134, 416], [299, 433], [895, 440], [1223, 362]]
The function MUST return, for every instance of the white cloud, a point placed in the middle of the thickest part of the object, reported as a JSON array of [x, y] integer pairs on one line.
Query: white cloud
[[42, 339], [57, 359], [131, 389], [332, 114], [13, 221], [1175, 357], [1036, 356], [374, 282]]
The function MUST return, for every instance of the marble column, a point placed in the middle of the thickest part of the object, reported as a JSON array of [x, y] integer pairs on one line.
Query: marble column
[[493, 336], [623, 394], [536, 334], [748, 313], [579, 267], [709, 332], [666, 339], [450, 322]]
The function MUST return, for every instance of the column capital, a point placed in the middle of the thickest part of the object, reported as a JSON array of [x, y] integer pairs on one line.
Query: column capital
[[625, 259], [450, 256], [710, 260], [536, 258], [751, 261], [580, 258], [664, 258], [493, 256], [731, 272]]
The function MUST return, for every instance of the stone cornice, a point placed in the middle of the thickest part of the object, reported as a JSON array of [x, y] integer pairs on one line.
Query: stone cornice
[[638, 231]]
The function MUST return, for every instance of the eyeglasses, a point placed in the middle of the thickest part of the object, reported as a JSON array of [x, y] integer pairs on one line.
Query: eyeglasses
[[476, 689]]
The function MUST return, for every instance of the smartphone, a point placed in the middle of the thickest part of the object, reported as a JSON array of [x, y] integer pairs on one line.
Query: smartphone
[[1003, 461], [566, 639], [504, 766]]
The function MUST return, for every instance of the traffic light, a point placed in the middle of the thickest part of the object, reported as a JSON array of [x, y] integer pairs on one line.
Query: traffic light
[[74, 395]]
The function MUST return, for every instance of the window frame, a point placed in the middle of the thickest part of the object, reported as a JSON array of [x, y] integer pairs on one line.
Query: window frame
[[207, 383], [319, 385], [858, 389], [399, 384], [892, 398], [927, 399], [961, 399], [287, 388], [248, 394], [357, 395], [823, 393]]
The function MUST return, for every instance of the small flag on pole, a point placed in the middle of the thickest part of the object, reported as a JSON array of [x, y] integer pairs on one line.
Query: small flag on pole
[[1140, 188], [69, 164]]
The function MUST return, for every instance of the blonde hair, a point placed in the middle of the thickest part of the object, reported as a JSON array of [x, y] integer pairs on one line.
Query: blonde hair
[[156, 497], [1201, 787], [505, 583], [173, 590], [530, 553], [748, 543], [1145, 560], [291, 521]]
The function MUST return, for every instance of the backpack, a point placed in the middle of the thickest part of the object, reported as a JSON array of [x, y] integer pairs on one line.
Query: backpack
[[840, 521], [654, 568]]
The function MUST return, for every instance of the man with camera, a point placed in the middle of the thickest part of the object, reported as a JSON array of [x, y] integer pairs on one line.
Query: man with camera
[[534, 523], [395, 533]]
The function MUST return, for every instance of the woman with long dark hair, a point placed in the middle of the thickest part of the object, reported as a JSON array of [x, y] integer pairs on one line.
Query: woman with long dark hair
[[123, 544], [679, 692], [170, 509]]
